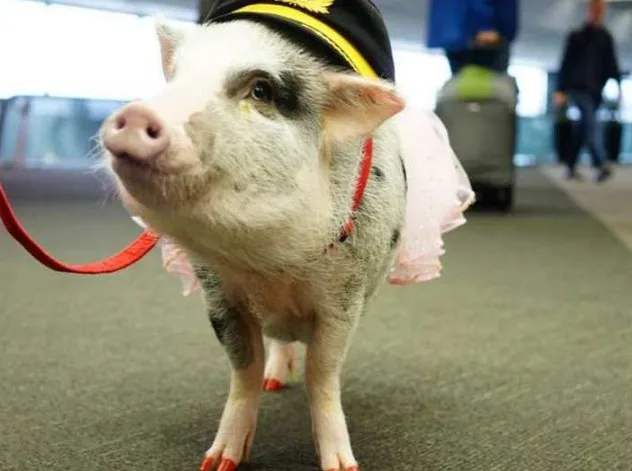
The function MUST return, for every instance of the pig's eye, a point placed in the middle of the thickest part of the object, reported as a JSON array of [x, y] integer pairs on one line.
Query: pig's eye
[[262, 91]]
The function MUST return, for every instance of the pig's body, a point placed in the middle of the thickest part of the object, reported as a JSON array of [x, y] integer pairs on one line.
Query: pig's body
[[260, 214]]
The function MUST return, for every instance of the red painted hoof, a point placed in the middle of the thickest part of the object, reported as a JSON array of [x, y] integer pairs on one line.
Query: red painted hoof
[[207, 464], [227, 465], [272, 385]]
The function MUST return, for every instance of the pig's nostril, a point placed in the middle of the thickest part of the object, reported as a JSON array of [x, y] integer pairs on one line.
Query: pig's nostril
[[153, 132], [120, 123]]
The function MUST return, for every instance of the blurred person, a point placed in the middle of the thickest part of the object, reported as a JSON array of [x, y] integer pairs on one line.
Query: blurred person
[[589, 60], [474, 32]]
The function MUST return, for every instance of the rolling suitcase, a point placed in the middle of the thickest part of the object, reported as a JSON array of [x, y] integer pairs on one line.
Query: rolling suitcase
[[564, 136], [613, 132], [478, 109]]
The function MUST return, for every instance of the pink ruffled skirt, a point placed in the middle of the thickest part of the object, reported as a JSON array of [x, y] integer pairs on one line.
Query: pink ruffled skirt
[[439, 192]]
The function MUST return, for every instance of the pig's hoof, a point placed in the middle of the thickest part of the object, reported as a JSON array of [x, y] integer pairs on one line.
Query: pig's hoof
[[213, 462], [280, 364], [224, 465], [221, 457], [336, 454], [234, 438], [227, 465], [343, 464], [207, 463], [272, 385]]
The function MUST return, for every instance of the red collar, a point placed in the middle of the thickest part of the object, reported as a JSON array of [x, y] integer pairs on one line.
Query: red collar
[[143, 244], [358, 195]]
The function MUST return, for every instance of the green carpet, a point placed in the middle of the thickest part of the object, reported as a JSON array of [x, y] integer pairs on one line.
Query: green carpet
[[518, 358]]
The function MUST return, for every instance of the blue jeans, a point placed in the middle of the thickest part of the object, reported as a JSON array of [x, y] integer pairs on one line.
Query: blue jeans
[[589, 134]]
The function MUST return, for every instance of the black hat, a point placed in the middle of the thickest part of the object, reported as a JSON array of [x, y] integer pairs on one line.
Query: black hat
[[351, 31]]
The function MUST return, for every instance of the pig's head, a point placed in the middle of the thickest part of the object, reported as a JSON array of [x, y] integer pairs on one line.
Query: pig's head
[[241, 139]]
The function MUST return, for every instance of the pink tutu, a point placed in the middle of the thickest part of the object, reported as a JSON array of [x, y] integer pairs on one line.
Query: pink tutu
[[439, 192], [176, 262]]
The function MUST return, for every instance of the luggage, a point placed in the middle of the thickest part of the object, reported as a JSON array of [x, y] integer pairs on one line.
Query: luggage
[[478, 108], [564, 136], [613, 134]]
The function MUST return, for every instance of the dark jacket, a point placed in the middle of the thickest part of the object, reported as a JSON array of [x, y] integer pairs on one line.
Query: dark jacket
[[588, 62], [453, 24]]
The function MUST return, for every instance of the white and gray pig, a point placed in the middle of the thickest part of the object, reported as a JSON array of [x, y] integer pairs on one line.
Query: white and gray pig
[[248, 161]]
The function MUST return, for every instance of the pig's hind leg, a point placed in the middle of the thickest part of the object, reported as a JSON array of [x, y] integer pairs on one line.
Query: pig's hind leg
[[281, 362], [325, 356], [242, 339]]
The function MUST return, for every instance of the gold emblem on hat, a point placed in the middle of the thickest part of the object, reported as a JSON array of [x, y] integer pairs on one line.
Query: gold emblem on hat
[[316, 6]]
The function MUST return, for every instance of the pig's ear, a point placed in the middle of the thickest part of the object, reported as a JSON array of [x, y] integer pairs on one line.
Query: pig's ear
[[169, 38], [356, 106]]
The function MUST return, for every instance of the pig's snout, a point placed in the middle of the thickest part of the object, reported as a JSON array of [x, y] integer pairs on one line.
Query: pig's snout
[[136, 133]]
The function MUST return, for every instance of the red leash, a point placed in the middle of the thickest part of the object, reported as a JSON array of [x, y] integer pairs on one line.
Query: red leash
[[131, 254]]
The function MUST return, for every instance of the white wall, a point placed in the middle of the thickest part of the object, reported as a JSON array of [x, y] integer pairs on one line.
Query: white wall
[[86, 53]]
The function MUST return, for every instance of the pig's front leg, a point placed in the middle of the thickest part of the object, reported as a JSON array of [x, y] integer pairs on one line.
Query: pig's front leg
[[243, 342], [324, 359], [281, 362]]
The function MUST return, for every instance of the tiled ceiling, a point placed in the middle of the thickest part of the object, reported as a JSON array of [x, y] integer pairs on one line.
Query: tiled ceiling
[[544, 23]]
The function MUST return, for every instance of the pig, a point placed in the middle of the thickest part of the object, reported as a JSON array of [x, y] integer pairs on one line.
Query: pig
[[247, 162]]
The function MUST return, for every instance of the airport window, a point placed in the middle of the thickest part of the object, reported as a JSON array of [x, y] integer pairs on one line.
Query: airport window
[[626, 101], [69, 51], [420, 76], [24, 32], [101, 64], [533, 85]]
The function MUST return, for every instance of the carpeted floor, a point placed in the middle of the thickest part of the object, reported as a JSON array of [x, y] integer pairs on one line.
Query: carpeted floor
[[518, 358], [610, 203]]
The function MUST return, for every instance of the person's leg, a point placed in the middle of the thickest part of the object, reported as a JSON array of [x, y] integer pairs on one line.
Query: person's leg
[[597, 148], [571, 162], [589, 133], [592, 141]]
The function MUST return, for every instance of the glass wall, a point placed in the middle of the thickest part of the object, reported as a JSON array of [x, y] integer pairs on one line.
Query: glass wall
[[79, 64], [420, 75], [68, 51]]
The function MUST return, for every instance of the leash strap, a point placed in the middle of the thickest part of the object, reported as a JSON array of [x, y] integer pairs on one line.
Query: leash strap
[[131, 254]]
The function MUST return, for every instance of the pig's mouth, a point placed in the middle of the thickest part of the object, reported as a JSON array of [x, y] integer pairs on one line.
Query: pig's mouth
[[165, 167], [159, 185], [143, 175], [127, 160], [127, 165]]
